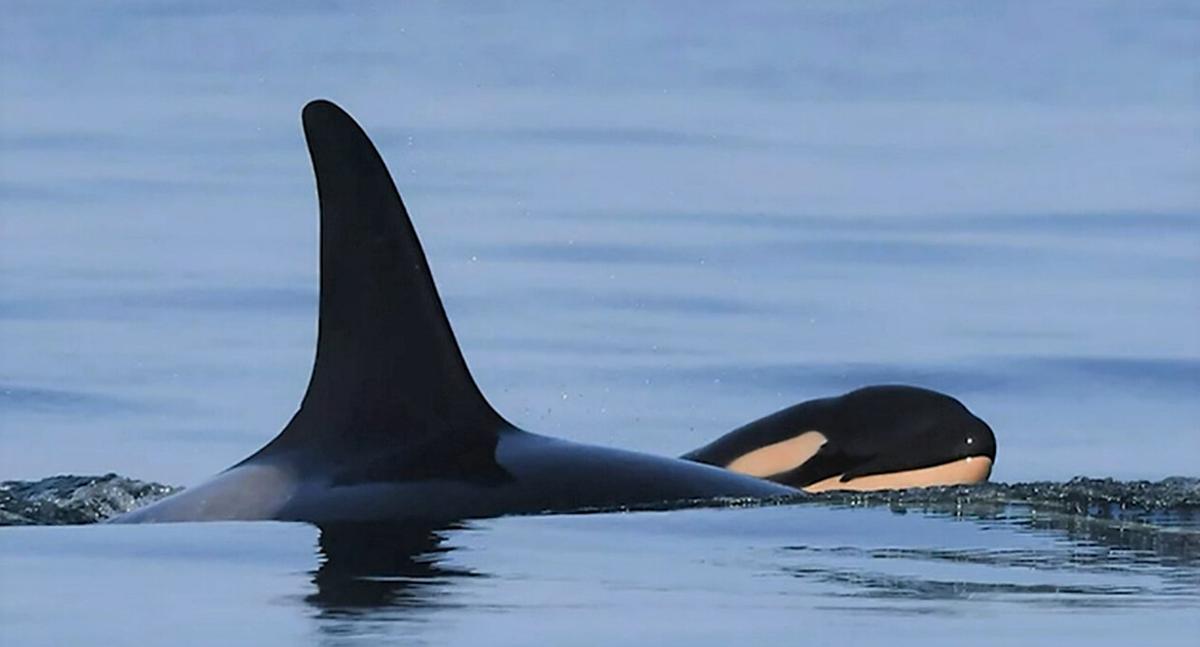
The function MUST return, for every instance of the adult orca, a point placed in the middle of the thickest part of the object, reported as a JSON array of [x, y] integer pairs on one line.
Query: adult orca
[[392, 427], [874, 438]]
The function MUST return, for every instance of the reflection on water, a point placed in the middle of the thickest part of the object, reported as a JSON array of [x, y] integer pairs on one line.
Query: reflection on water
[[1113, 544], [874, 584], [706, 573], [367, 566], [1141, 551], [1105, 526], [1121, 564]]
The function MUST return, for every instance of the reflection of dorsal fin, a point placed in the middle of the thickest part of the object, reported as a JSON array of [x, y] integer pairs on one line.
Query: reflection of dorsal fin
[[388, 373]]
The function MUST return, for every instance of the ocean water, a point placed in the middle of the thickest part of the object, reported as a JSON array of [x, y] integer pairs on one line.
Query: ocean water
[[650, 223]]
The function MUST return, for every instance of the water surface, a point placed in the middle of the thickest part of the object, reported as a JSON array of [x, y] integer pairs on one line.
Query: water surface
[[649, 224]]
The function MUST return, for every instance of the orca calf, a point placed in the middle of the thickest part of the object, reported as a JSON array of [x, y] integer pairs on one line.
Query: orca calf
[[875, 438], [392, 427]]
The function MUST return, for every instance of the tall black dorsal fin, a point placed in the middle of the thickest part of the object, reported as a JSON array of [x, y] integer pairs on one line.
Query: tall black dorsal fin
[[388, 372]]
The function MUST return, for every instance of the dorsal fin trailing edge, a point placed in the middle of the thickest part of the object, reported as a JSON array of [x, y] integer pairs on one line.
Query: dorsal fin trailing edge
[[388, 373]]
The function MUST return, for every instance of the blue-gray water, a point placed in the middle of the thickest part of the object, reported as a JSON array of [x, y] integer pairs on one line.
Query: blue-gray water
[[650, 222]]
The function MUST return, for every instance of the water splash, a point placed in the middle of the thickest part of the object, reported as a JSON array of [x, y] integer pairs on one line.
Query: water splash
[[65, 500]]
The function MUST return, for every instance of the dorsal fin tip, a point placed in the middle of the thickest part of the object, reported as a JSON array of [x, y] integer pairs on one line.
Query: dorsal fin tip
[[324, 113], [316, 105]]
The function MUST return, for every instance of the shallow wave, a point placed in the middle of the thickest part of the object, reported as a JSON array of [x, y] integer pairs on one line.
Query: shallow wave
[[66, 500], [1171, 503]]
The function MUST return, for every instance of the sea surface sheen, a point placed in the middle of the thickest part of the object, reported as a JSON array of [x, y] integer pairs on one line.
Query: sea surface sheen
[[650, 223]]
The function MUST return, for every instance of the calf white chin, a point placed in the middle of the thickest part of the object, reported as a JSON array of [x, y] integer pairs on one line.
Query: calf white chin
[[973, 469]]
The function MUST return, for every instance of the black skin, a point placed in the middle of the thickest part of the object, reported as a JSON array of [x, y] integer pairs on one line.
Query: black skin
[[393, 428], [873, 430]]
